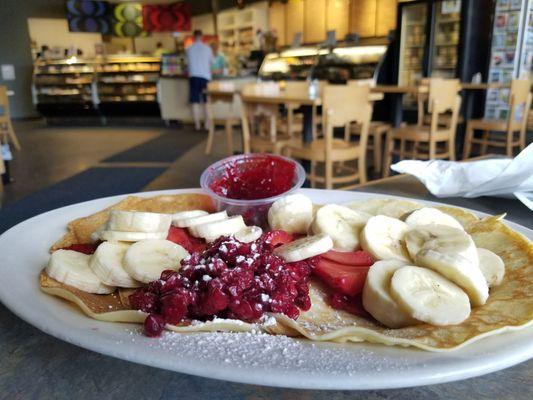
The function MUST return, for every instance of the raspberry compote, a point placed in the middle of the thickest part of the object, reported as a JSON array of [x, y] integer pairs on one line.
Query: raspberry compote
[[260, 177], [229, 279]]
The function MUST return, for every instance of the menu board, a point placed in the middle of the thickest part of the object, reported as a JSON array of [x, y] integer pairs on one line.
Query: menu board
[[511, 52]]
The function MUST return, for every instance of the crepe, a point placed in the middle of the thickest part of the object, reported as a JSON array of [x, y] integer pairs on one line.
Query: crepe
[[509, 307]]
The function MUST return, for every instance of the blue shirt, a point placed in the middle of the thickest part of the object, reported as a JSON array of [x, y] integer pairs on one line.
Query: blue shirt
[[199, 59]]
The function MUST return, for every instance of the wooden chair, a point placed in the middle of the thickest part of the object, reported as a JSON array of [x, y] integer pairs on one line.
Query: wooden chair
[[428, 141], [7, 133], [260, 125], [342, 106], [376, 132], [230, 103], [423, 115], [516, 122]]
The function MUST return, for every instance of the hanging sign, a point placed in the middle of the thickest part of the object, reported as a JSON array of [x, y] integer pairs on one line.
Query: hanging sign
[[89, 16], [128, 20]]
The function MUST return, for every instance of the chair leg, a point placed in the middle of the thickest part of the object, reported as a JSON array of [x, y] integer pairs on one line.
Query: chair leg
[[509, 145], [12, 135], [468, 141], [522, 138], [432, 149], [229, 136], [361, 169], [484, 145], [377, 152], [312, 175], [329, 174], [210, 137], [389, 145]]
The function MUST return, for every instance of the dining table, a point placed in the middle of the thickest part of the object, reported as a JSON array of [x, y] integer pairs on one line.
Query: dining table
[[35, 365]]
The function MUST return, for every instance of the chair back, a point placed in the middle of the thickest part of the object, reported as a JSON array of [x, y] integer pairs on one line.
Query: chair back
[[519, 100], [345, 104], [444, 97], [4, 104]]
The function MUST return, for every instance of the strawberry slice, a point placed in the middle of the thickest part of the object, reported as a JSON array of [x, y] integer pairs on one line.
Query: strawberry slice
[[277, 237], [181, 236], [354, 258], [351, 304], [85, 248], [343, 278]]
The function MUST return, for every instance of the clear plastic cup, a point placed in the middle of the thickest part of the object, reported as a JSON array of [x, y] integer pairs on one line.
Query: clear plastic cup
[[255, 211]]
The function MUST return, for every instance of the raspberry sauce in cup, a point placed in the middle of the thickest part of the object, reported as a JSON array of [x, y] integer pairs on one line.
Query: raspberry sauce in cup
[[248, 184]]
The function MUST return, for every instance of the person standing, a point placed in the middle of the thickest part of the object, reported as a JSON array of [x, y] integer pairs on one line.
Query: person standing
[[220, 66], [199, 60]]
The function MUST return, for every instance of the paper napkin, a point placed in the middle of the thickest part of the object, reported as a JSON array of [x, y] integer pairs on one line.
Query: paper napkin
[[501, 177]]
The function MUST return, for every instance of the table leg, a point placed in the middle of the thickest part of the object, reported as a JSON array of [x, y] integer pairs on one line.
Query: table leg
[[308, 123]]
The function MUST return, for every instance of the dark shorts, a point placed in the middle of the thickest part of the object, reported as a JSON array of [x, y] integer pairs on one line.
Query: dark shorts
[[197, 87]]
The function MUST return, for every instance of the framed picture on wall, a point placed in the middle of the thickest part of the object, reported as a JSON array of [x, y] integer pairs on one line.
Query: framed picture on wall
[[500, 23], [515, 4], [502, 5]]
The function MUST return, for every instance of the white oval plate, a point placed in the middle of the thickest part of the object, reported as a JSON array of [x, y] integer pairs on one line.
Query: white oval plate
[[247, 358]]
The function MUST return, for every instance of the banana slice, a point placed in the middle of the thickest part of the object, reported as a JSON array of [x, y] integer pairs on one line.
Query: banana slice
[[371, 206], [249, 234], [342, 224], [429, 297], [72, 268], [458, 269], [136, 221], [203, 219], [452, 253], [95, 236], [491, 266], [119, 236], [429, 215], [306, 247], [106, 263], [397, 208], [377, 299], [178, 219], [293, 213], [213, 230], [441, 237], [145, 260], [383, 238]]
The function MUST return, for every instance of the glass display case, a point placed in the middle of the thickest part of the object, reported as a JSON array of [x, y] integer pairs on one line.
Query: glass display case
[[334, 65], [124, 85], [446, 39], [412, 43]]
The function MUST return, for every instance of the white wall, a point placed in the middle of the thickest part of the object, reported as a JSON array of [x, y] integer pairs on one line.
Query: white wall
[[54, 32], [204, 22], [147, 45]]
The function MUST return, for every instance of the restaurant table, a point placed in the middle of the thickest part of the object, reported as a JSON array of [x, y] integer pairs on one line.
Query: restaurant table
[[292, 100], [35, 365]]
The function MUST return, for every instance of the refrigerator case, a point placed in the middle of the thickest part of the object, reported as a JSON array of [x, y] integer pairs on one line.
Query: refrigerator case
[[442, 38], [511, 52]]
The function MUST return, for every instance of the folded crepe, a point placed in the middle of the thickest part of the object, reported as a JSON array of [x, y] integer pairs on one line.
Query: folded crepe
[[509, 307]]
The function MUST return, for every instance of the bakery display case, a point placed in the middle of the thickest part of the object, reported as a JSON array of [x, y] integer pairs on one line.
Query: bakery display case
[[107, 86], [64, 87]]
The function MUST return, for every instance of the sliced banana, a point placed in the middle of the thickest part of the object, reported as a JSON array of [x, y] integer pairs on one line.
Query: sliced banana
[[442, 237], [96, 235], [397, 208], [429, 215], [306, 247], [492, 266], [249, 234], [178, 219], [371, 206], [292, 213], [119, 236], [72, 268], [460, 270], [106, 263], [342, 224], [213, 230], [383, 238], [203, 219], [136, 221], [145, 260], [377, 299], [429, 297], [452, 253]]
